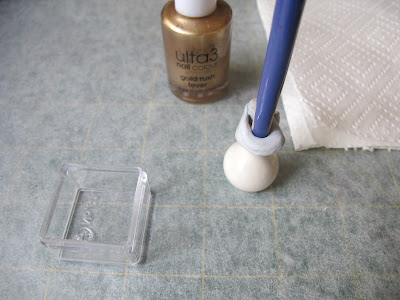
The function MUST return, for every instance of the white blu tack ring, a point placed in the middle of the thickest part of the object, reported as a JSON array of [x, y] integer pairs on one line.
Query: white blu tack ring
[[258, 146]]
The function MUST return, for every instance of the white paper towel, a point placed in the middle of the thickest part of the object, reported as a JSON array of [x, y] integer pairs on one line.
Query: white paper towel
[[343, 85]]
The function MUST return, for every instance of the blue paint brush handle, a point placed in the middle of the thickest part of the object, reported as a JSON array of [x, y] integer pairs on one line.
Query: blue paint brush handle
[[285, 23]]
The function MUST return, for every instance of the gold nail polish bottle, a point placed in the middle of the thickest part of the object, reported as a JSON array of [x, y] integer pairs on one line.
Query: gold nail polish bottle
[[197, 39]]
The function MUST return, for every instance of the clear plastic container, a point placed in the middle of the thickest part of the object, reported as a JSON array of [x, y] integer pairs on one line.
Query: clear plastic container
[[98, 214]]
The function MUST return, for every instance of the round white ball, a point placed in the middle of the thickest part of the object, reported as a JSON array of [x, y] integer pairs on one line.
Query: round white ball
[[249, 172]]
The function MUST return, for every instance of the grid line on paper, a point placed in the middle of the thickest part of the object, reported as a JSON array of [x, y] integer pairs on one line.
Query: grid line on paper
[[254, 276], [96, 108], [249, 207], [27, 149], [51, 270], [110, 104], [143, 150], [150, 107], [125, 274], [204, 212], [349, 246], [124, 149], [392, 173], [88, 131], [277, 246], [222, 277], [99, 99]]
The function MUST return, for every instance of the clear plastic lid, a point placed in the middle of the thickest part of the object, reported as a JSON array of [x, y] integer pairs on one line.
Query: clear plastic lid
[[98, 214]]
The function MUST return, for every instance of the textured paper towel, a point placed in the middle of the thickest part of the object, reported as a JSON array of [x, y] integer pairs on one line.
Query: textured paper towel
[[343, 86]]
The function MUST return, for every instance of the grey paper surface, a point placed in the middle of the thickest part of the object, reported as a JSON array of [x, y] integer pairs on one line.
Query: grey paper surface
[[85, 81]]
